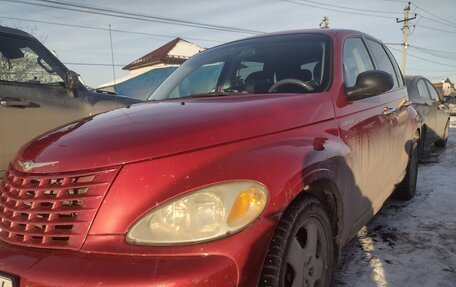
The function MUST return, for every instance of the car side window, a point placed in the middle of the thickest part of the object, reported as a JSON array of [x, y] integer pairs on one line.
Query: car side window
[[356, 60], [433, 92], [248, 67], [23, 61], [382, 60], [202, 80], [396, 67], [422, 89]]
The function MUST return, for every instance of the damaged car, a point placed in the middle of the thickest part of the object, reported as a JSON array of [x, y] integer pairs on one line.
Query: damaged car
[[38, 93]]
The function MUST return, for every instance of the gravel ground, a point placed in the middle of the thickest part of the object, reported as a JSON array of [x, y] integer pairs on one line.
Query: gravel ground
[[410, 243]]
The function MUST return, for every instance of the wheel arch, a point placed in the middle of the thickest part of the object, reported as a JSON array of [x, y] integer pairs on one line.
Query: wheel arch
[[321, 183], [327, 192]]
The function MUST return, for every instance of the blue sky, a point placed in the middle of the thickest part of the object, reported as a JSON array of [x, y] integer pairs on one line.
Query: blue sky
[[433, 54]]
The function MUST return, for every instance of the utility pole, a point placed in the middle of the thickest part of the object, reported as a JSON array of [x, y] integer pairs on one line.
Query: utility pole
[[405, 31]]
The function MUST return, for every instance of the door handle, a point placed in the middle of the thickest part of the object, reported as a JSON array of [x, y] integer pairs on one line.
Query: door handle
[[388, 111], [17, 103], [406, 103]]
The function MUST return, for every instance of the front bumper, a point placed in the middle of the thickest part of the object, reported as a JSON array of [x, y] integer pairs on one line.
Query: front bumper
[[108, 261], [39, 267]]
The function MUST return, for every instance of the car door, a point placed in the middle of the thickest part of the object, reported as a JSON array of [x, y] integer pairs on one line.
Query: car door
[[398, 115], [427, 113], [34, 94], [439, 109], [366, 130]]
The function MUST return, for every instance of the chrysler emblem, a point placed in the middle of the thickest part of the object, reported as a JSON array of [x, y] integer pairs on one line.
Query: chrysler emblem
[[29, 164]]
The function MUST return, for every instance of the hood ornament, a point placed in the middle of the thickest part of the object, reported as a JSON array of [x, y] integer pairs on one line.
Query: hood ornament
[[29, 164]]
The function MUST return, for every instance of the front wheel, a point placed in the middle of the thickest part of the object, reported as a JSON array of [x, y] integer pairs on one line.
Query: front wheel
[[407, 188], [301, 252]]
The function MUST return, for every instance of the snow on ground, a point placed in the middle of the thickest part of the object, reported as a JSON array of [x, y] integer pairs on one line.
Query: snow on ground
[[410, 243]]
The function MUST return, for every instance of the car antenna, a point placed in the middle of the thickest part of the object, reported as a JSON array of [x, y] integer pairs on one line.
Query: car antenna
[[113, 67]]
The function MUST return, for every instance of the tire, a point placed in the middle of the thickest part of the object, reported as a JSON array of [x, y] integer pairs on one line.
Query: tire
[[443, 141], [406, 190], [301, 252]]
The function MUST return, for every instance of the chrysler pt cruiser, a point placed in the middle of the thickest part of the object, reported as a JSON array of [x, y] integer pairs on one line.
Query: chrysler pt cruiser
[[252, 164]]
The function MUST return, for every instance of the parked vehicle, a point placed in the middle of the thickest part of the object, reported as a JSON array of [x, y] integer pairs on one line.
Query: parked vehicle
[[37, 93], [435, 118], [255, 174], [450, 101]]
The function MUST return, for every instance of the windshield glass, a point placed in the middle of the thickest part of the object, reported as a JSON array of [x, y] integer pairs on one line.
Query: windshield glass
[[296, 63], [23, 61]]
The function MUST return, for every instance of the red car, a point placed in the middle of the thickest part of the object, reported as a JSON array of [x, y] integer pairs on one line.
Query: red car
[[252, 164]]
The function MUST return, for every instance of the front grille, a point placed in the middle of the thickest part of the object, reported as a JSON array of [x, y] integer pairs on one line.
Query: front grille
[[51, 210]]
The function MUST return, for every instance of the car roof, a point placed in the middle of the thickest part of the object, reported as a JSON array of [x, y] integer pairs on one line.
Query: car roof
[[332, 33], [15, 32], [329, 32]]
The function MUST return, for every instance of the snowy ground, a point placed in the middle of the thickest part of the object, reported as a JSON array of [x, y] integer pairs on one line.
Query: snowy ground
[[410, 243]]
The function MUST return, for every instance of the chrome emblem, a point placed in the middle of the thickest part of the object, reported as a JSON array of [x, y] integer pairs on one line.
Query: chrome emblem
[[29, 164]]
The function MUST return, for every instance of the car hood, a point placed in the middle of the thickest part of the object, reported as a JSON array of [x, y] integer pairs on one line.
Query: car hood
[[158, 129]]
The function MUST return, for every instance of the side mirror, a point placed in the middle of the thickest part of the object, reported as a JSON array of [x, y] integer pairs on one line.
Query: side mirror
[[369, 84]]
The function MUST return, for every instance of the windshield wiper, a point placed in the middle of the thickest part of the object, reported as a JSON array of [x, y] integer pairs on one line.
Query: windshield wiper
[[210, 94], [198, 95]]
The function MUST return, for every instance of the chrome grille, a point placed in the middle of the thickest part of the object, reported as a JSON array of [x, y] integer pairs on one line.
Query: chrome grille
[[51, 210]]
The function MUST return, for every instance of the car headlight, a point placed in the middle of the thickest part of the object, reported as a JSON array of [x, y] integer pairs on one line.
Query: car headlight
[[205, 214]]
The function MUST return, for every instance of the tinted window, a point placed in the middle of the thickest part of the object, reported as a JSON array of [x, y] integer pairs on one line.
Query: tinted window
[[396, 67], [202, 80], [356, 60], [422, 89], [382, 60], [247, 67], [253, 66], [25, 62], [433, 92]]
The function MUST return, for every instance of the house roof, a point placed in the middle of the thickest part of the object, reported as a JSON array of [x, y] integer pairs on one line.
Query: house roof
[[175, 52], [438, 85]]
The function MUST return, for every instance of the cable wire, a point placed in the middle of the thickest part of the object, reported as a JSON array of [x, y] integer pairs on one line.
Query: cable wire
[[424, 59], [349, 8], [335, 10], [130, 15], [104, 29], [434, 15], [436, 29]]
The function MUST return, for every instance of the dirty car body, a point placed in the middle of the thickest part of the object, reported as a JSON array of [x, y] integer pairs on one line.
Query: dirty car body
[[249, 154], [434, 114], [38, 93]]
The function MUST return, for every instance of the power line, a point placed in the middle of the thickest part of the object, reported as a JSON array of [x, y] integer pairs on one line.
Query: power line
[[424, 59], [433, 50], [105, 29], [130, 15], [438, 21], [349, 8], [336, 10], [436, 29], [434, 15], [433, 54]]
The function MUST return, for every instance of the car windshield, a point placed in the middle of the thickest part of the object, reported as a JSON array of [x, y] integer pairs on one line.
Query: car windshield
[[293, 63], [23, 61]]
